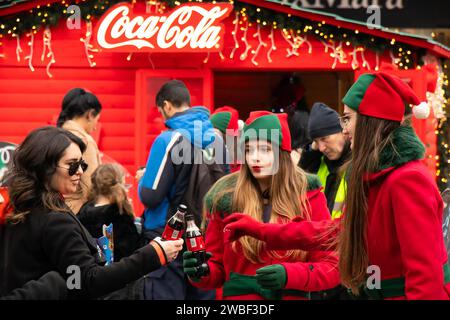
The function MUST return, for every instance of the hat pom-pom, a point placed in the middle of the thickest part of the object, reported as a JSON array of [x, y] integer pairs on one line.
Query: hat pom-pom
[[422, 111], [241, 125]]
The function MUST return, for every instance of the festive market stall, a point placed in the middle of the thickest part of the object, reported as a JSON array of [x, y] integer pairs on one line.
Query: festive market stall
[[242, 53]]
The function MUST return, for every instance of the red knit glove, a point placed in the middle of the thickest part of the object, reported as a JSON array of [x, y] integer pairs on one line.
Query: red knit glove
[[240, 224]]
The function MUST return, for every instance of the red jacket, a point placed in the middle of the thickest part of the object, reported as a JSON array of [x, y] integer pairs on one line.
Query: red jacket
[[318, 272], [404, 229], [404, 233]]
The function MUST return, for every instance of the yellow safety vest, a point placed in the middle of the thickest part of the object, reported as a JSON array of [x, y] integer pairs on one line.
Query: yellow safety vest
[[340, 194]]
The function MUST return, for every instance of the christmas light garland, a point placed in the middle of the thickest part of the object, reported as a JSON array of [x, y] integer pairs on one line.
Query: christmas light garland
[[46, 16]]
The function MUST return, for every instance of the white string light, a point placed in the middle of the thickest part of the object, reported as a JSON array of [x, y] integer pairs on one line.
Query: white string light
[[30, 56], [272, 47], [394, 60], [354, 54], [244, 55], [260, 45], [295, 43], [365, 62], [150, 60], [293, 51], [18, 48], [88, 47], [378, 62], [207, 58], [47, 45], [234, 33]]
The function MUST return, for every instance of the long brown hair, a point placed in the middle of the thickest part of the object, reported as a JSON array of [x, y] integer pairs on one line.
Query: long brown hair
[[107, 181], [34, 163], [352, 243], [287, 196]]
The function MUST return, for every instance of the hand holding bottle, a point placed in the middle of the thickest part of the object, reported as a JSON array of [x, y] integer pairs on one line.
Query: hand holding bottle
[[194, 268], [170, 248]]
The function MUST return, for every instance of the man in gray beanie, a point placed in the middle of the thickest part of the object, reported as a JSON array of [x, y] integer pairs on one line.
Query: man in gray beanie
[[329, 150]]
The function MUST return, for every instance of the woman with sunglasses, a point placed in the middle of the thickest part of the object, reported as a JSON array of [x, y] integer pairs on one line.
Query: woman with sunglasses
[[80, 114], [41, 234], [392, 223]]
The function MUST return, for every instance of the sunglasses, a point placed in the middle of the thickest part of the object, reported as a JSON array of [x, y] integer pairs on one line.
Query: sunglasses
[[73, 167]]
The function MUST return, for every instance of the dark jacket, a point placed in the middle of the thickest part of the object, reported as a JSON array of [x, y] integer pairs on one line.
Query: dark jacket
[[126, 237], [51, 286], [50, 241], [310, 162]]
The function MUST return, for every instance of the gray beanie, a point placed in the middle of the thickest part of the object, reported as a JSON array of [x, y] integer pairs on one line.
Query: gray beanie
[[323, 121]]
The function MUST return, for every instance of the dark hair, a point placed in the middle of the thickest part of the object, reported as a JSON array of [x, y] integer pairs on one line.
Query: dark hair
[[33, 164], [366, 152], [175, 92], [75, 103]]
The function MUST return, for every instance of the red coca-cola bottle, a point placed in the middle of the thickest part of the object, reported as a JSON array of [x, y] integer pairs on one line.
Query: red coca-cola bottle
[[175, 226], [196, 244]]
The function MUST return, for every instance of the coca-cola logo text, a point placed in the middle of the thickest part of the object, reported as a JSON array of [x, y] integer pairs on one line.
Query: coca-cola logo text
[[190, 27]]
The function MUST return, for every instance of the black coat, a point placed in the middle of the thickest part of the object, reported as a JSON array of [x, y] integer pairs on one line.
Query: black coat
[[126, 237], [51, 241], [51, 286]]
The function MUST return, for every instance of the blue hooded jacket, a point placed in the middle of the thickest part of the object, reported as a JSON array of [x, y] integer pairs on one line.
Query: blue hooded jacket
[[164, 179]]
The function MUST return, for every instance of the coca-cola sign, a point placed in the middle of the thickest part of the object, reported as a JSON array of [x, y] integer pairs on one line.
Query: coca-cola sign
[[192, 27]]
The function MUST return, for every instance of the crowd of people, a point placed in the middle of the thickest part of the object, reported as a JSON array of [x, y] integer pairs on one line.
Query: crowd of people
[[288, 212]]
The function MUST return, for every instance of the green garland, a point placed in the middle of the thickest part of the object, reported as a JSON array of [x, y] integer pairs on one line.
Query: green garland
[[443, 142], [50, 15]]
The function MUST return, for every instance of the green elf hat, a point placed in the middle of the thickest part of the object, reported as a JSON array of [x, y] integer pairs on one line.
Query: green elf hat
[[226, 118], [381, 95], [268, 125]]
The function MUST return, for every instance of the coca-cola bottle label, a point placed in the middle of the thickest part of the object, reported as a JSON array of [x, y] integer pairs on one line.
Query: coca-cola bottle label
[[195, 244], [171, 234]]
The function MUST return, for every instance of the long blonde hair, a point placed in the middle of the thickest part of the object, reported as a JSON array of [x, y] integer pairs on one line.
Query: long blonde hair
[[287, 196], [107, 182]]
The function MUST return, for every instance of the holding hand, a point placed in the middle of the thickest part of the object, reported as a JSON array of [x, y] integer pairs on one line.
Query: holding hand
[[170, 248], [272, 277], [191, 266], [240, 224]]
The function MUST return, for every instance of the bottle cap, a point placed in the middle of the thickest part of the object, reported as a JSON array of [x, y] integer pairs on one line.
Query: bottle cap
[[182, 208], [189, 216]]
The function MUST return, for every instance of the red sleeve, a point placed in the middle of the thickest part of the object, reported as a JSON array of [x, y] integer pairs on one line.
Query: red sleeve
[[213, 244], [305, 235], [320, 272], [418, 208]]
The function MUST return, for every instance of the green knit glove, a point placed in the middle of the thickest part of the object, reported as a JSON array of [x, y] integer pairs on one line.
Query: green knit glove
[[272, 277], [191, 265]]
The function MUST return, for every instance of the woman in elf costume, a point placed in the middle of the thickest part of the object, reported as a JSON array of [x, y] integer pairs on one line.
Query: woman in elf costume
[[268, 188], [393, 214]]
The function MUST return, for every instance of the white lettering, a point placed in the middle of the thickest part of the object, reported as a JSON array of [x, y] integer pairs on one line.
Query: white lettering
[[189, 26], [374, 281], [374, 21], [74, 280]]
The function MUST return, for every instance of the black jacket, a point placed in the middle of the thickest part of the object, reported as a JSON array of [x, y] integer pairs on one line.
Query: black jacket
[[51, 286], [126, 237], [51, 241]]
